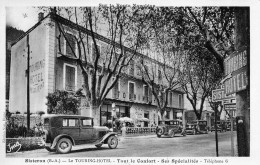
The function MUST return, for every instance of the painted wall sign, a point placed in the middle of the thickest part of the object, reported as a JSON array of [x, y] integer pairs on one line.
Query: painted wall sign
[[237, 83], [37, 76], [236, 61], [220, 95], [236, 66]]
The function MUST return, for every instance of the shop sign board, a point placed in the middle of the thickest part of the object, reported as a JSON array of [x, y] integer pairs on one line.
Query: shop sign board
[[236, 66], [230, 107], [220, 95]]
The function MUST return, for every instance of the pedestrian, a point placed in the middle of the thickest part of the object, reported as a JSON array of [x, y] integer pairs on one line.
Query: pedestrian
[[123, 129]]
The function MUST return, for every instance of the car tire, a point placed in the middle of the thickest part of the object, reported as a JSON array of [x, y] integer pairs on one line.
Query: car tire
[[64, 146], [160, 131], [98, 145], [112, 142], [171, 133], [158, 136]]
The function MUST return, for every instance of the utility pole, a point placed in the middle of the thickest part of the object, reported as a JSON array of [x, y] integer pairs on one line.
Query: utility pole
[[242, 38], [28, 83], [216, 129]]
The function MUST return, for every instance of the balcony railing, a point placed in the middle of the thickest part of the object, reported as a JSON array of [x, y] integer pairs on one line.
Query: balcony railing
[[116, 95], [132, 97], [69, 87], [140, 130]]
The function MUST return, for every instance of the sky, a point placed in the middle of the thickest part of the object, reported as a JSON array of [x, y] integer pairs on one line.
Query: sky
[[27, 17]]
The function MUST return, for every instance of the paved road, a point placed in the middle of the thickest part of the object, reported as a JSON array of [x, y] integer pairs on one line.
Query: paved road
[[149, 146]]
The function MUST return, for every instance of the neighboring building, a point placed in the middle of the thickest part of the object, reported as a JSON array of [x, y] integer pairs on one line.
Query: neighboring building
[[55, 69], [11, 35]]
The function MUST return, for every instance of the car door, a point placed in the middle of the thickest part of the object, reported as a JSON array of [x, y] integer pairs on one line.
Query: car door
[[86, 131], [70, 126]]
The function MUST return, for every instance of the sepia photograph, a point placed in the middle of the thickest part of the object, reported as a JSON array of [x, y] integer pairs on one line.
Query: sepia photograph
[[136, 83]]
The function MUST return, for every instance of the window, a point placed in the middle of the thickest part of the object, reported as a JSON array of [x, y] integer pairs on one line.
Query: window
[[70, 123], [145, 93], [70, 43], [86, 122], [174, 115], [46, 122], [146, 114], [70, 77], [131, 90], [180, 101], [171, 99], [167, 115], [131, 68], [115, 90], [138, 70], [94, 52]]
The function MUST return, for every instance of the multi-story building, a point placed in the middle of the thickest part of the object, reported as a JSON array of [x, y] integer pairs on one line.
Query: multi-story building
[[53, 68]]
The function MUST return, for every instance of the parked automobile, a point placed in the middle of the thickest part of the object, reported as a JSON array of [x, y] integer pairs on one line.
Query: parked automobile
[[220, 127], [197, 127], [170, 128], [64, 131], [228, 125]]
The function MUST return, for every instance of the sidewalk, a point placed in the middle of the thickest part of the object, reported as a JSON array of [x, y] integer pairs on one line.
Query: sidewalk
[[131, 136]]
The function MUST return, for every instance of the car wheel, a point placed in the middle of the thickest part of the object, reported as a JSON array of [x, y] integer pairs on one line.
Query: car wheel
[[64, 146], [98, 145], [158, 136], [194, 132], [171, 133], [160, 131], [112, 142]]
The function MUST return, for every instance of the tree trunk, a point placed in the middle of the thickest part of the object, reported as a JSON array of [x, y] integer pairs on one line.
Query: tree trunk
[[95, 114]]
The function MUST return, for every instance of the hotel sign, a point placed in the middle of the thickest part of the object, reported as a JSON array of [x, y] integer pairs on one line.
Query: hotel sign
[[236, 65]]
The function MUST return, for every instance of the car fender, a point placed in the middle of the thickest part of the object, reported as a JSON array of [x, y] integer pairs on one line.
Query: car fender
[[57, 138], [105, 137]]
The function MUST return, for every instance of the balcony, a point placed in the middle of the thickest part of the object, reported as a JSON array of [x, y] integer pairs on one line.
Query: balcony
[[115, 95], [132, 97], [147, 99], [69, 88]]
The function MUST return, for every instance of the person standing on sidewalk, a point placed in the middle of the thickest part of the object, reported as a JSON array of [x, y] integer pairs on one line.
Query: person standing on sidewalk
[[123, 129]]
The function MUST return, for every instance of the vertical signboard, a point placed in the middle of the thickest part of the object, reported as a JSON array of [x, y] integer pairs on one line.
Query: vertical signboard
[[236, 65]]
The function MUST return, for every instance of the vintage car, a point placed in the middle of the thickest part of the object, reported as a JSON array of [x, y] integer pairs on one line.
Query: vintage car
[[170, 128], [64, 131], [228, 125], [220, 127], [197, 127]]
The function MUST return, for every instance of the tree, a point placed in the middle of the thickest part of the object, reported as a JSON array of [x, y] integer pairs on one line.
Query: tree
[[211, 28], [62, 102], [160, 68], [122, 25], [200, 75]]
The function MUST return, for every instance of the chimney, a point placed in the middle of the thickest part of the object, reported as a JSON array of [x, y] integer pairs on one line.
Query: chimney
[[40, 16]]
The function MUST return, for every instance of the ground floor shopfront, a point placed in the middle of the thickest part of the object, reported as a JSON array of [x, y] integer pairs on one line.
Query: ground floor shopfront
[[142, 115]]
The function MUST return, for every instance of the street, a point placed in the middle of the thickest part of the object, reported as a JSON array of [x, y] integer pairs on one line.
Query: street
[[202, 145]]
